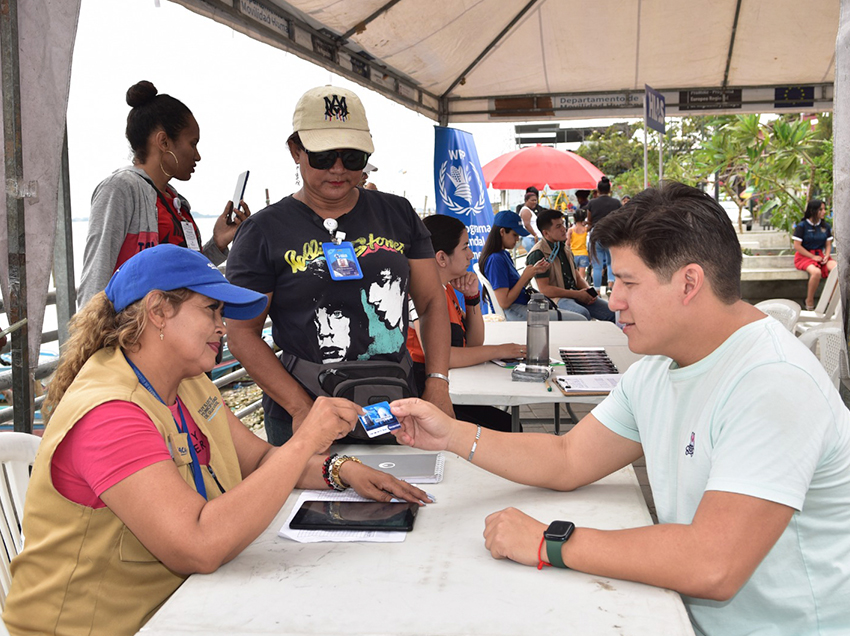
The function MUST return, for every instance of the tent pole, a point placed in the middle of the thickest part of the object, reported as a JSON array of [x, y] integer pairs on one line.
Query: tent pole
[[16, 304], [63, 250], [645, 156], [841, 160], [660, 157]]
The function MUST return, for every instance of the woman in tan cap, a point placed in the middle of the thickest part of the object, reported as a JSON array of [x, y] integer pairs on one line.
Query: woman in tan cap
[[379, 251]]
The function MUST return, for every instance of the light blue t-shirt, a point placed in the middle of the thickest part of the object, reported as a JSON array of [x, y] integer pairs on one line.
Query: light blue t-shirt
[[759, 417]]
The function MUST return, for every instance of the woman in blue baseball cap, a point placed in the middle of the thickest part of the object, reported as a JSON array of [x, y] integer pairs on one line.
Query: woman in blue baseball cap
[[144, 475], [498, 267]]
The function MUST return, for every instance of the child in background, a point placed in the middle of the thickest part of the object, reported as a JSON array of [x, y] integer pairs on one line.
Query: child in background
[[577, 240]]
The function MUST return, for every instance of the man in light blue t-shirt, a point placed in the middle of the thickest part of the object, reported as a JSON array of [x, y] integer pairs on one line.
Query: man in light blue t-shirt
[[747, 442]]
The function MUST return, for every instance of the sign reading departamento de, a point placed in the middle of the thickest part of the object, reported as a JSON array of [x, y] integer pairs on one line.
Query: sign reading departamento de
[[654, 109]]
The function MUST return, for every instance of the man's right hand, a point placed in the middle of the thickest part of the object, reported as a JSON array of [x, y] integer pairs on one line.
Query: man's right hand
[[584, 298], [423, 425]]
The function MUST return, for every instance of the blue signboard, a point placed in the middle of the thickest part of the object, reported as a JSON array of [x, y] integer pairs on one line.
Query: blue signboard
[[459, 184], [654, 108]]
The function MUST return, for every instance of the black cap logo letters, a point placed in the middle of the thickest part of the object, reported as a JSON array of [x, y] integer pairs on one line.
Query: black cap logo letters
[[336, 108]]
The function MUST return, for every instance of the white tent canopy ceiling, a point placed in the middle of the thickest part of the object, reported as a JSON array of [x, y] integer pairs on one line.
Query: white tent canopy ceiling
[[502, 60]]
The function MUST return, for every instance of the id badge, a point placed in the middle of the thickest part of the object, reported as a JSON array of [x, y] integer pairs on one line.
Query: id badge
[[178, 445], [191, 236], [342, 263]]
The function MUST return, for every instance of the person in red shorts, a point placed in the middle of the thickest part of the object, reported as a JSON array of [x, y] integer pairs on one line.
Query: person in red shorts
[[812, 244]]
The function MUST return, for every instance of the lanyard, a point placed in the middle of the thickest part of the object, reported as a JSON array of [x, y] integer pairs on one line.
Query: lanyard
[[554, 254], [196, 466]]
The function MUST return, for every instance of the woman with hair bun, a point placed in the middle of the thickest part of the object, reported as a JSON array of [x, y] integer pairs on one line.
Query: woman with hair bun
[[135, 207]]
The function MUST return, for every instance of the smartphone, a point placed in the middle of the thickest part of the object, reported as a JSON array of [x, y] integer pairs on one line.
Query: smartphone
[[592, 291], [355, 515], [238, 193]]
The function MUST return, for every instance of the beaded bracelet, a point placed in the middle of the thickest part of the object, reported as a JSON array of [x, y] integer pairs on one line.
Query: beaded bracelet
[[326, 471], [335, 466]]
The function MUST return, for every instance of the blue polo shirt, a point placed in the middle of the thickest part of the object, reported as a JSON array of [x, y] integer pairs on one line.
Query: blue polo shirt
[[500, 271], [813, 237]]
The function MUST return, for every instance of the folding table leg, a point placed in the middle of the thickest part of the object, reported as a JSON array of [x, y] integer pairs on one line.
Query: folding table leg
[[557, 419], [515, 419]]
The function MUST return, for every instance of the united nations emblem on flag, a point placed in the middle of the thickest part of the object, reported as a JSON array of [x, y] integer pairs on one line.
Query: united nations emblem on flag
[[456, 184]]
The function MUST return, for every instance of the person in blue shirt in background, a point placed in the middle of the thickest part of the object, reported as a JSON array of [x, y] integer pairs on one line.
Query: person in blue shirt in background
[[498, 267]]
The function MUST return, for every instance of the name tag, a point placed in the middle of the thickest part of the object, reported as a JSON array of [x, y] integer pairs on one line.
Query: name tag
[[191, 237]]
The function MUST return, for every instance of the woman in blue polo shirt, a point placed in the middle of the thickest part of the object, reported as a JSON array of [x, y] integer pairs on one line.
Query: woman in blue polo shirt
[[812, 244], [498, 267]]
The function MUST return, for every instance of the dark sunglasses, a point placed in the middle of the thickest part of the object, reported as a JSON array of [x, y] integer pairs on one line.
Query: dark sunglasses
[[351, 159]]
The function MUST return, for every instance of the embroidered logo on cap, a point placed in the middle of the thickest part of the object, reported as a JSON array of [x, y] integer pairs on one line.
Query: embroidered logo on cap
[[336, 108], [689, 449]]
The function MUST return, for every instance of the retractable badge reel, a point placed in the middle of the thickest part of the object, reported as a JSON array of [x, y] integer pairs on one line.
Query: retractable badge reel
[[339, 254]]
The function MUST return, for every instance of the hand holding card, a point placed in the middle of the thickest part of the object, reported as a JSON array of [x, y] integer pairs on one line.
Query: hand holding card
[[378, 419]]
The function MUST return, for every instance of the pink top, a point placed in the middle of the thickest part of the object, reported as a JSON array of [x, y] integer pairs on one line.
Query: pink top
[[109, 443]]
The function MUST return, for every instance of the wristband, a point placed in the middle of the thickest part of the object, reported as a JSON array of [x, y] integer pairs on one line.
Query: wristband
[[474, 444], [473, 300], [540, 562], [335, 466], [439, 376], [326, 470]]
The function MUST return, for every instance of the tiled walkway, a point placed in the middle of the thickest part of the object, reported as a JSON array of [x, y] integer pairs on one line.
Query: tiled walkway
[[540, 418]]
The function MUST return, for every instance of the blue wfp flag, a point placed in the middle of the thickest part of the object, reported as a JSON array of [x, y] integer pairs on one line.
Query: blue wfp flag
[[459, 183]]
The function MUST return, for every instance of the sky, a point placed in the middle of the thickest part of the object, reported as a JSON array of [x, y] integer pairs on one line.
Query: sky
[[242, 93]]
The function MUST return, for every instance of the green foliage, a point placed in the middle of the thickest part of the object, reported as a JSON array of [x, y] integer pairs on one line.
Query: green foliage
[[782, 162]]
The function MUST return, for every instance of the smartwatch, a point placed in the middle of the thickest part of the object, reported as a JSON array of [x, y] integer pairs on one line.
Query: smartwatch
[[556, 535]]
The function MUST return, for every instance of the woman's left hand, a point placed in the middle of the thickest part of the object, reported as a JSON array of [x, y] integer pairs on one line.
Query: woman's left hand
[[225, 226], [379, 486]]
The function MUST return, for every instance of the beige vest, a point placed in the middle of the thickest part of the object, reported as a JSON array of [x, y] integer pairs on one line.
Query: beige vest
[[556, 276], [82, 571]]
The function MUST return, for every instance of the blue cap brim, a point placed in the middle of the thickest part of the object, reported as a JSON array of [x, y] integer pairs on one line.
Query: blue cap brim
[[239, 303]]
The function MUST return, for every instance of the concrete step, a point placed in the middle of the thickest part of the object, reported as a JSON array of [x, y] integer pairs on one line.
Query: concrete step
[[773, 273], [768, 262], [765, 238]]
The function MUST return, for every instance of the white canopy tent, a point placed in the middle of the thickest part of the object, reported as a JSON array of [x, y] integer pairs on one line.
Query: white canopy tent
[[452, 60], [498, 60]]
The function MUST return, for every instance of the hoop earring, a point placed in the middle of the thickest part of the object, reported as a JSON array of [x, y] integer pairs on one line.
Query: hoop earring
[[297, 175], [176, 163]]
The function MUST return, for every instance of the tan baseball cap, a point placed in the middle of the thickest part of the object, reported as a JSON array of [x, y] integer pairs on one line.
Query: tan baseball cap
[[332, 118]]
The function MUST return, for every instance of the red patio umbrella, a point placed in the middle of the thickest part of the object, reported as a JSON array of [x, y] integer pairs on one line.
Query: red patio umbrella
[[541, 166]]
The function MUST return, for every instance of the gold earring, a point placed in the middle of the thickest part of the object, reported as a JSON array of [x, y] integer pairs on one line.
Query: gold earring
[[176, 163], [161, 335]]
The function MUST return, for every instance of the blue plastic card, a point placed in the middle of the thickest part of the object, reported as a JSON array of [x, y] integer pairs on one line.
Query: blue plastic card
[[378, 419], [342, 262]]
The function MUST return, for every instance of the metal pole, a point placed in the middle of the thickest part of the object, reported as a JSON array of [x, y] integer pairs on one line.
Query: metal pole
[[660, 157], [16, 305], [63, 250], [645, 157]]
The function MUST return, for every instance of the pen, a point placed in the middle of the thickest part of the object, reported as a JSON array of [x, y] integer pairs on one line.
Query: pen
[[548, 386]]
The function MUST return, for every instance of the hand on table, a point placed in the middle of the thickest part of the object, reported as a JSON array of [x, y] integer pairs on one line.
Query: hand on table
[[509, 350], [511, 534], [423, 425], [378, 485], [328, 420], [224, 231]]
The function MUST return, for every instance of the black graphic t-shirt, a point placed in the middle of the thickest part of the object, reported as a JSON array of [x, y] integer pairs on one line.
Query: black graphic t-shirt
[[279, 250]]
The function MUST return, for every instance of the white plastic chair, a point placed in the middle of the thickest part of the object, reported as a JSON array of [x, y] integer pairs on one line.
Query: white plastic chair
[[828, 308], [827, 343], [17, 454], [488, 288], [785, 311]]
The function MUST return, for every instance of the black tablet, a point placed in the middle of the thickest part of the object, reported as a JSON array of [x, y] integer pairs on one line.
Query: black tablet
[[355, 515]]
